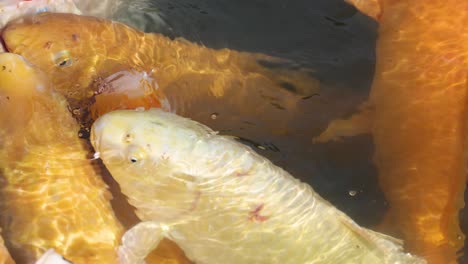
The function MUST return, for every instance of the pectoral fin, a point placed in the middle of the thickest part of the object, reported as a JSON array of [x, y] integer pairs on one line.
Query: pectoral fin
[[359, 123], [139, 241]]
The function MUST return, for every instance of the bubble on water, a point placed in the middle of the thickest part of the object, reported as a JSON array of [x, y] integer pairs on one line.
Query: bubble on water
[[76, 111], [96, 155], [214, 116], [352, 193], [84, 133], [40, 87]]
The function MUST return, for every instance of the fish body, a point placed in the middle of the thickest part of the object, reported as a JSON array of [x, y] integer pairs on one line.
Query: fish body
[[417, 114], [51, 193], [77, 50], [220, 201]]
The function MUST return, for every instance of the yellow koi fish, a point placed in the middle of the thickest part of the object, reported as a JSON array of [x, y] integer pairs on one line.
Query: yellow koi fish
[[52, 196]]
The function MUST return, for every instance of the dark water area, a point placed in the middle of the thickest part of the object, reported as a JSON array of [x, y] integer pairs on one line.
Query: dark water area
[[329, 37]]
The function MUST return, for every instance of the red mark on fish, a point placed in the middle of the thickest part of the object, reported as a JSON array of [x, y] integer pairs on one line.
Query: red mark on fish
[[255, 214], [240, 174], [47, 45]]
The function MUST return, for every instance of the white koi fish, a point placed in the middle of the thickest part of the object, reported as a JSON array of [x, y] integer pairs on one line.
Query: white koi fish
[[221, 202]]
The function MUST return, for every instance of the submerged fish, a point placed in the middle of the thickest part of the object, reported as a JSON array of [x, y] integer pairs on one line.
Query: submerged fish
[[220, 201], [51, 194], [417, 114], [78, 51]]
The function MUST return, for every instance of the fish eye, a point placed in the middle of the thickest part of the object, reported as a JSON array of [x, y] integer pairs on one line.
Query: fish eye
[[136, 154], [62, 59], [65, 63]]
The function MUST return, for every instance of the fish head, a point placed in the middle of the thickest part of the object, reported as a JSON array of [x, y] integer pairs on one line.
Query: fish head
[[138, 136], [120, 137], [145, 151], [67, 47]]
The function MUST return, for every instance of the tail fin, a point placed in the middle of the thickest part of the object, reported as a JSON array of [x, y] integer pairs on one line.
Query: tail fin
[[389, 247]]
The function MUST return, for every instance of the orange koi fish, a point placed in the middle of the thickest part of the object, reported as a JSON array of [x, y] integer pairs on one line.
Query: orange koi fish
[[96, 60], [417, 115]]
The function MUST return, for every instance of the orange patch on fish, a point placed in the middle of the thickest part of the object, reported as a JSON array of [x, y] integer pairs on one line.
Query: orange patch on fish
[[126, 90]]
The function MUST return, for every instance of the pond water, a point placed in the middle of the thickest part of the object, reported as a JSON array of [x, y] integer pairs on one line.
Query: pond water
[[331, 45], [332, 39]]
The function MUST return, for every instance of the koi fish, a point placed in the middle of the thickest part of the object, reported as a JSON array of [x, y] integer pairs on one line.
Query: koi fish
[[81, 53], [220, 201], [52, 196], [417, 114]]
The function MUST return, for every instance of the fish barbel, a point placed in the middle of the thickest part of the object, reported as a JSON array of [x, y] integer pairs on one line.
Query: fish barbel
[[51, 193], [220, 201]]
